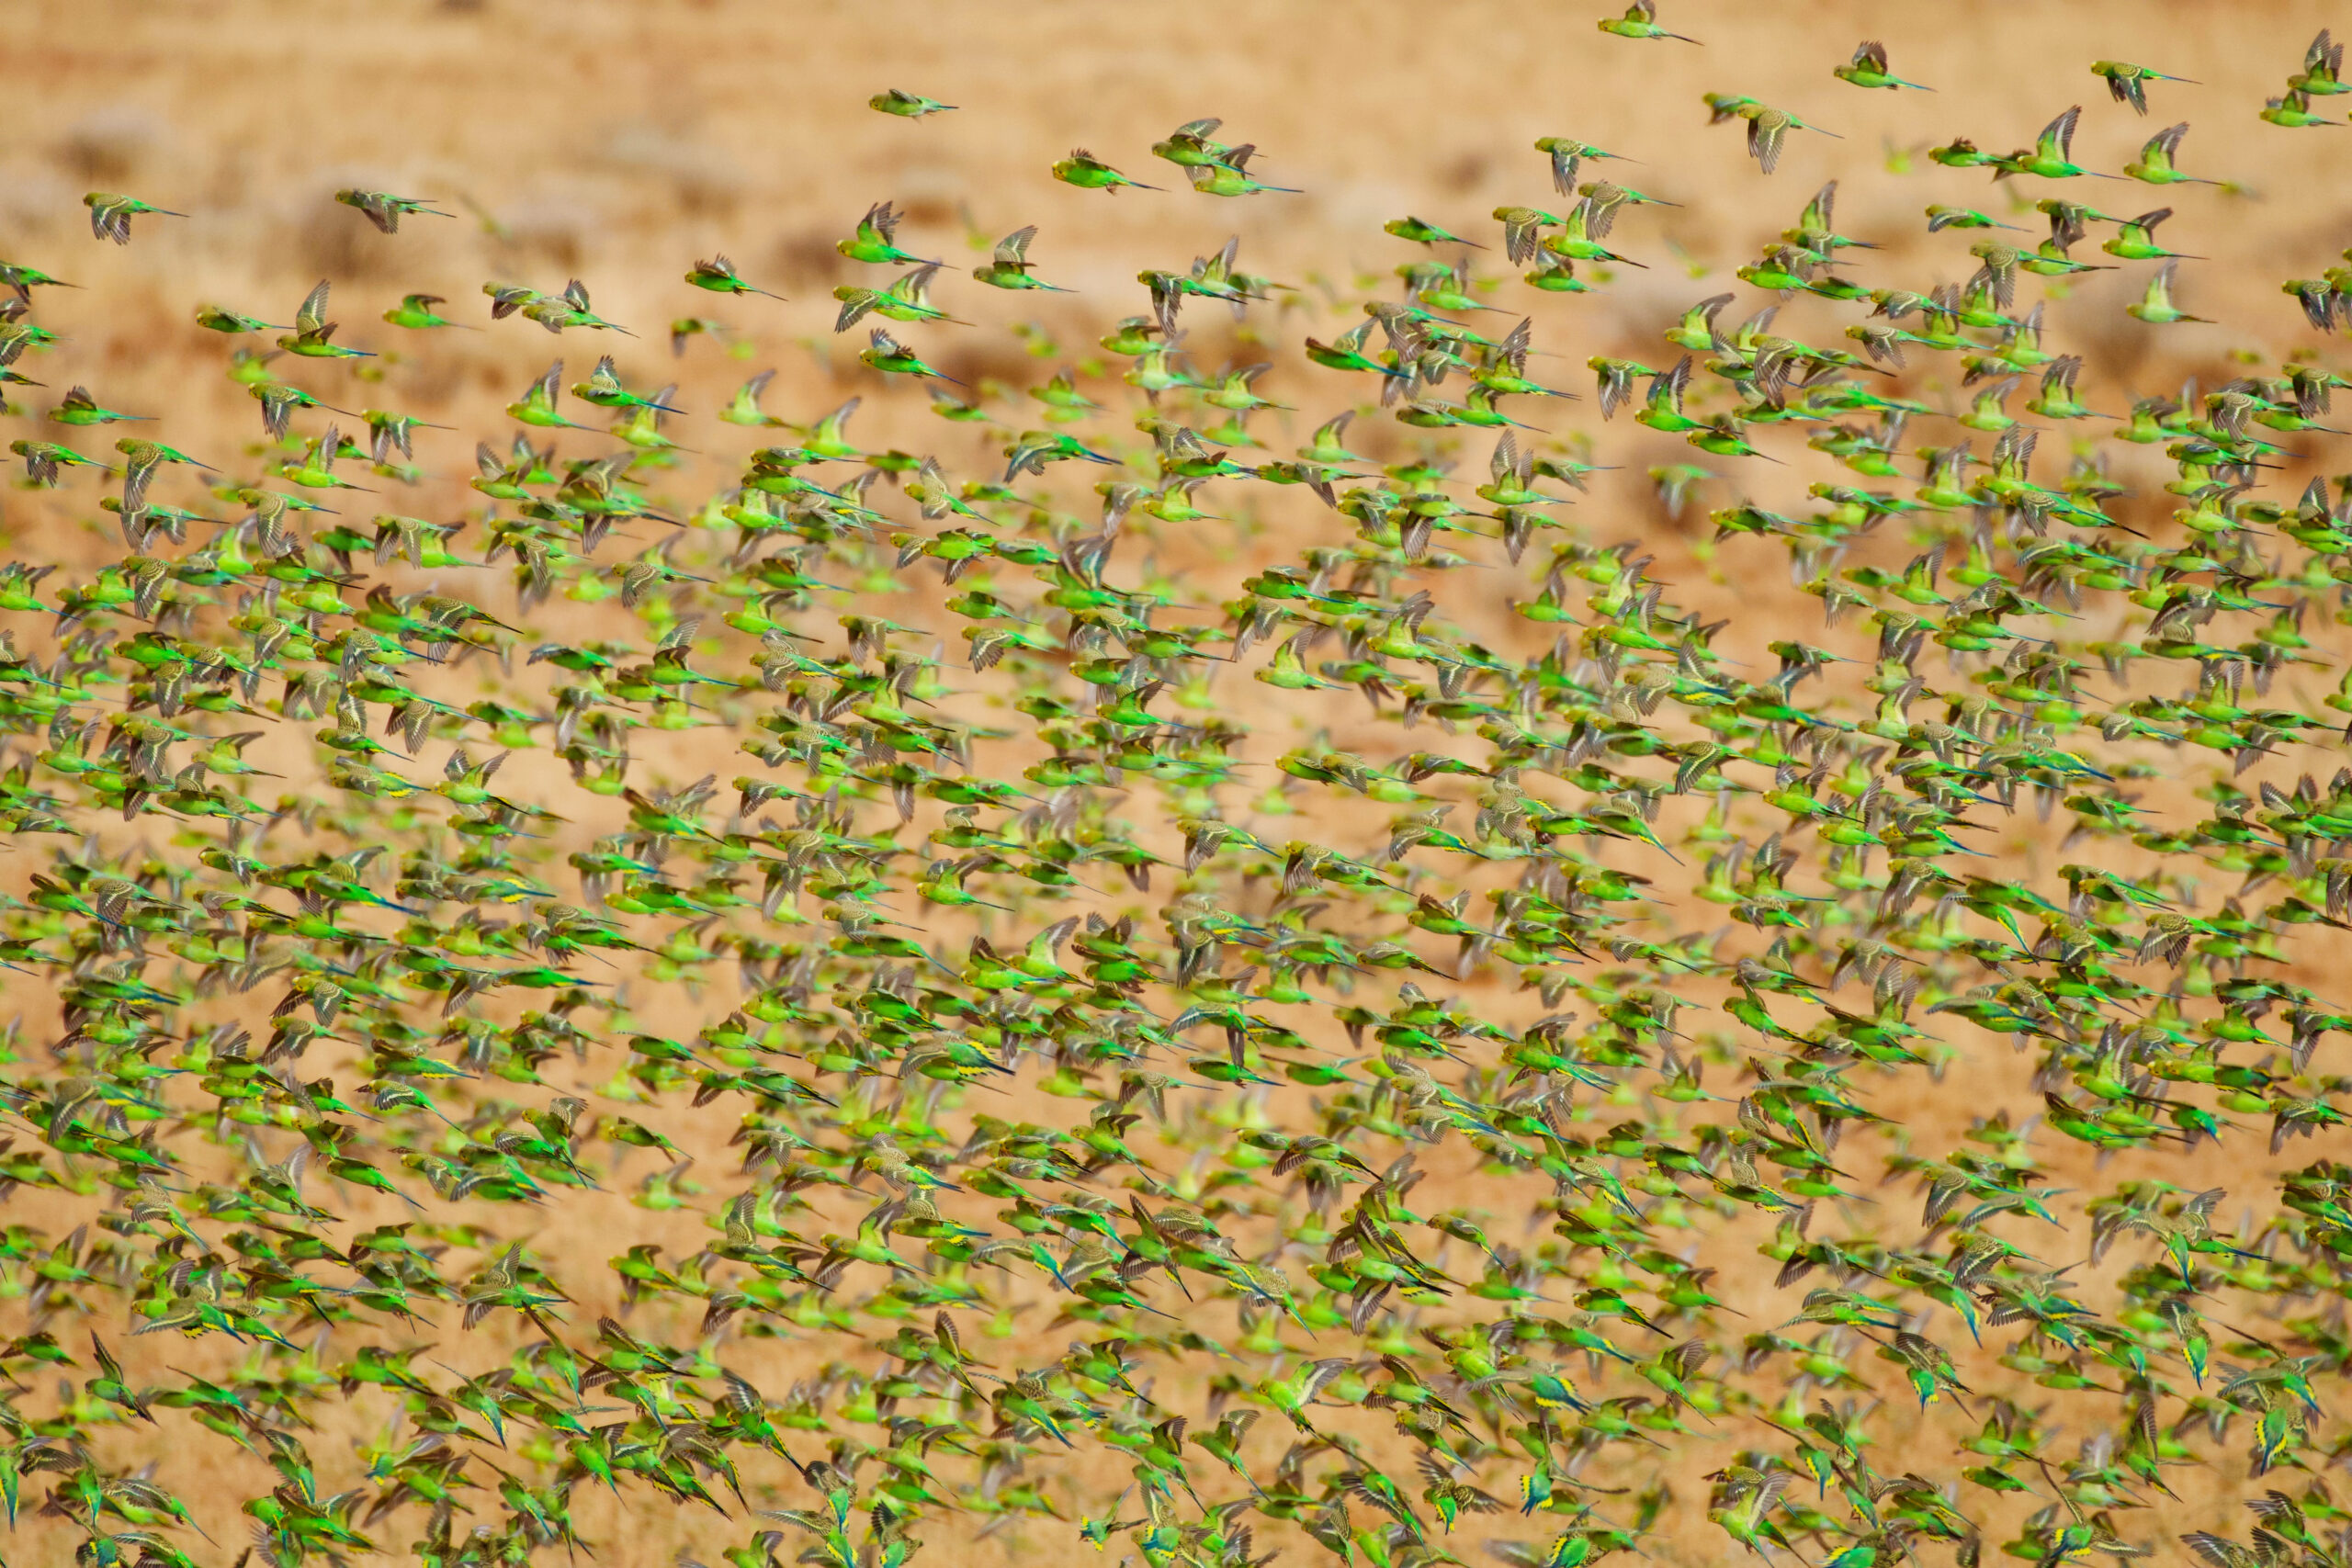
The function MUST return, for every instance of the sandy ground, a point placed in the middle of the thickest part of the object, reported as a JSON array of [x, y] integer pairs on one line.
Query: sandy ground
[[616, 142]]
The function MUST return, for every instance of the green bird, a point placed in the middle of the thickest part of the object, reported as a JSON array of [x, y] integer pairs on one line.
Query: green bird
[[1568, 155], [875, 240], [384, 209], [2055, 398], [215, 318], [505, 299], [827, 437], [1640, 21], [604, 389], [79, 408], [2293, 110], [1569, 1549], [1292, 1394], [110, 1387], [571, 309], [1581, 232], [2155, 307], [2155, 164], [2277, 1435], [1674, 1369], [1961, 153], [717, 275], [683, 329], [1191, 145], [536, 406], [892, 358], [1230, 176], [1087, 171], [1868, 68], [1747, 1497], [745, 408], [313, 333], [1695, 333], [556, 313], [143, 458], [1721, 436], [1008, 264], [908, 298], [1452, 1497], [1615, 379], [2128, 84], [2323, 72], [1033, 449], [1768, 127], [2136, 239], [415, 312], [1549, 1392], [2180, 1231], [1423, 233], [1940, 218], [1662, 409], [24, 279], [44, 460], [906, 105], [1929, 1367], [2050, 156], [1223, 1443], [110, 215]]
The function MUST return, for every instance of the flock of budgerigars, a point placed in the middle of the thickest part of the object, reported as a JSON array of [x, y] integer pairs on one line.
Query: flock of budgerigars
[[1021, 995]]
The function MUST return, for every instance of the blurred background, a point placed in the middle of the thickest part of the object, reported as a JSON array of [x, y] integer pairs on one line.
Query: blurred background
[[618, 141]]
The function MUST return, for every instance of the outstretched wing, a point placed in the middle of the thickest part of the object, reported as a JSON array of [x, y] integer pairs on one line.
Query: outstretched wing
[[311, 318], [1013, 249], [2058, 136]]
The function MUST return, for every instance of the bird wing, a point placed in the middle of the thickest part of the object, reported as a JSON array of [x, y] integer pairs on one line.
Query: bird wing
[[1013, 249], [1673, 383], [1565, 161], [312, 317], [1505, 463], [1518, 237], [2057, 138], [1825, 201], [914, 287]]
